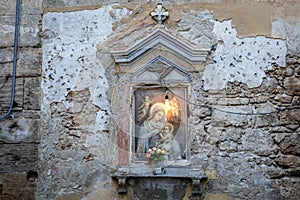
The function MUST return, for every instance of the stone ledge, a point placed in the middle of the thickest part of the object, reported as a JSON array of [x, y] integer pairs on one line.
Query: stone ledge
[[195, 175]]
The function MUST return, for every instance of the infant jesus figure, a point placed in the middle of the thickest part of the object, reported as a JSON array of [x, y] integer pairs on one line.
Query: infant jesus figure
[[168, 143]]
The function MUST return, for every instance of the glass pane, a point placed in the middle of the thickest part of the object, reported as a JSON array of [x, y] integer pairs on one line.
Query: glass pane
[[160, 121]]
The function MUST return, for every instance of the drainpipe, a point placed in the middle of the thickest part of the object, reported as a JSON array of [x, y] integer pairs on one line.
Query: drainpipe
[[16, 50]]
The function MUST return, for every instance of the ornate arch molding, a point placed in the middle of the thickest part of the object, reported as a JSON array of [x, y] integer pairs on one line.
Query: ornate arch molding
[[160, 68], [162, 43]]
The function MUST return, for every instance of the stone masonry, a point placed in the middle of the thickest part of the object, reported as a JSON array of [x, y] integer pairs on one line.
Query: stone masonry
[[71, 97], [19, 136]]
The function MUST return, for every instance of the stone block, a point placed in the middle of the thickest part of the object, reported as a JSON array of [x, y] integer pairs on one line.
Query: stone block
[[29, 30], [280, 129], [289, 187], [18, 157], [5, 94], [28, 7], [259, 99], [6, 55], [229, 115], [291, 84], [290, 117], [228, 146], [293, 116], [32, 93], [283, 98], [267, 115], [290, 144], [288, 161], [17, 186], [29, 63], [233, 101], [275, 172], [218, 196], [266, 120], [257, 141], [203, 112], [278, 137], [231, 134]]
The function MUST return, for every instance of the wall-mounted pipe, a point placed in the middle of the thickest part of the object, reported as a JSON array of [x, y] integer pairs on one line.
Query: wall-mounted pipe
[[16, 50]]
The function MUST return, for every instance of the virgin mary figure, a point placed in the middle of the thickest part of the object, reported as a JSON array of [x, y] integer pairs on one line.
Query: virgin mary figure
[[150, 129]]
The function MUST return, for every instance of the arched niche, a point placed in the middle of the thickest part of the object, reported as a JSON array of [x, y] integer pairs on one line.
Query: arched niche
[[154, 66], [155, 76]]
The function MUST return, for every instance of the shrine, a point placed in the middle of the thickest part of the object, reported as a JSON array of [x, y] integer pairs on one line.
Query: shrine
[[169, 100], [159, 67]]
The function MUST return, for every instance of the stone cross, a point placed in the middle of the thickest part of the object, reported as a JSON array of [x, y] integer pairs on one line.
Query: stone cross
[[160, 13]]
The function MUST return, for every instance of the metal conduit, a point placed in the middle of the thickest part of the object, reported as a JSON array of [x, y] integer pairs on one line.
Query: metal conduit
[[16, 50]]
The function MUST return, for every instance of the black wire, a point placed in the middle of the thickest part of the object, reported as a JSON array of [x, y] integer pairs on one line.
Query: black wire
[[5, 62], [16, 51]]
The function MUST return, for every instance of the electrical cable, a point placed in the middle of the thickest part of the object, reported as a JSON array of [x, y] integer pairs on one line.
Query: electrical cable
[[231, 112], [170, 91], [5, 62], [16, 50]]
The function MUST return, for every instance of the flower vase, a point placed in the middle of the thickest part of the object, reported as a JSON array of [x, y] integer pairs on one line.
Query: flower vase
[[157, 164], [158, 167], [160, 163]]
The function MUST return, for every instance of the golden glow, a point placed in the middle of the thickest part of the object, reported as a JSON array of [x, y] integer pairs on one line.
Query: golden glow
[[167, 103]]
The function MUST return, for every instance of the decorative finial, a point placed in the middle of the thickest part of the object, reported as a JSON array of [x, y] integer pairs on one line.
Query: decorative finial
[[160, 13]]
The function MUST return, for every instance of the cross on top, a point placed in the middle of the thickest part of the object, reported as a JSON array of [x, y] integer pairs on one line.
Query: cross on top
[[160, 13]]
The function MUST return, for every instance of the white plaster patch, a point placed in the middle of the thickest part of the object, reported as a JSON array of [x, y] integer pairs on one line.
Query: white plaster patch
[[242, 60], [15, 130], [69, 52], [69, 56], [102, 119]]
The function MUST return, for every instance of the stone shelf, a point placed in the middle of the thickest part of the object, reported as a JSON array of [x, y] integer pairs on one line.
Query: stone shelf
[[196, 176]]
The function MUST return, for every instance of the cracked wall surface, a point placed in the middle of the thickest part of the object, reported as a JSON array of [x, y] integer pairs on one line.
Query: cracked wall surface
[[242, 60], [67, 87]]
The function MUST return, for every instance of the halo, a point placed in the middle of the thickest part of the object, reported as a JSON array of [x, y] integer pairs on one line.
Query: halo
[[156, 106], [171, 126]]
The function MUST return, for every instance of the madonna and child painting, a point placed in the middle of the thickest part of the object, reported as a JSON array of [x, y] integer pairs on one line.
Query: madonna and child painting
[[159, 124]]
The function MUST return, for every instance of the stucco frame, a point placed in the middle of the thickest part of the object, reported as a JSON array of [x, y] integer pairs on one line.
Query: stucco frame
[[161, 48]]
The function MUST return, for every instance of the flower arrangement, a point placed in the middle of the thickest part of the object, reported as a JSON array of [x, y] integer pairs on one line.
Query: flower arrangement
[[155, 154]]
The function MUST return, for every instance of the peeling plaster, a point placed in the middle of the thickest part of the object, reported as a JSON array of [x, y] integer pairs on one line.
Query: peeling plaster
[[241, 60], [69, 56], [70, 65]]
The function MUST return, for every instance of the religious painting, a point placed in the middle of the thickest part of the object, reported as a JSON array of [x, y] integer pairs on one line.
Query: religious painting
[[160, 122]]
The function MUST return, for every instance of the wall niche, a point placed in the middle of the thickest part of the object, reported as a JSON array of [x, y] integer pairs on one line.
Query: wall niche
[[151, 113]]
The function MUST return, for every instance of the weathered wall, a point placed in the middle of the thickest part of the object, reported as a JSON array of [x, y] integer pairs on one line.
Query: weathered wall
[[19, 137], [253, 67]]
